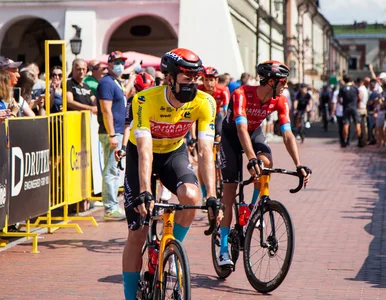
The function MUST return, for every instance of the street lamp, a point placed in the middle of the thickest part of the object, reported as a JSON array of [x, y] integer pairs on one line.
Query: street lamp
[[76, 41], [277, 4]]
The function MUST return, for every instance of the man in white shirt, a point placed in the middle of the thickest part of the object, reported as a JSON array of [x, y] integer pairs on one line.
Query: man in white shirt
[[337, 111], [363, 98]]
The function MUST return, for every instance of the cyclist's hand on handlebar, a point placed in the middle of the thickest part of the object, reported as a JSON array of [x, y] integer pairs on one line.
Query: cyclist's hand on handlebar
[[192, 142], [254, 166], [144, 202], [306, 172], [215, 209]]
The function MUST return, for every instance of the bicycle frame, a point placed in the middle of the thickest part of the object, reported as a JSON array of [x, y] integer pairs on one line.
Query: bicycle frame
[[168, 221]]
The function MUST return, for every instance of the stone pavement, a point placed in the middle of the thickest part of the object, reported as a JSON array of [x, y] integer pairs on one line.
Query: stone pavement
[[340, 238]]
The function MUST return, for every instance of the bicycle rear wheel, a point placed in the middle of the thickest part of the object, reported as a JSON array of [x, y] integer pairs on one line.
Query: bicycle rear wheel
[[176, 274], [266, 268], [233, 242]]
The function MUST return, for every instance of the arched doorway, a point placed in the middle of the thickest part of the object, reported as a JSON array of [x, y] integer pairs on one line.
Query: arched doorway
[[24, 41], [145, 34]]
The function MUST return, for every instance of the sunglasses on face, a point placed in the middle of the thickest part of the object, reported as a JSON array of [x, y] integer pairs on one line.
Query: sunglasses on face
[[57, 75], [283, 81], [119, 62]]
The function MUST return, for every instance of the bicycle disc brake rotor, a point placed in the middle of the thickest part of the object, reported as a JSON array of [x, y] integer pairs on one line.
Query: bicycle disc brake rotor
[[273, 246]]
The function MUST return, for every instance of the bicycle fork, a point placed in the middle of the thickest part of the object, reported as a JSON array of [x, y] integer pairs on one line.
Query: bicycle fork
[[264, 191]]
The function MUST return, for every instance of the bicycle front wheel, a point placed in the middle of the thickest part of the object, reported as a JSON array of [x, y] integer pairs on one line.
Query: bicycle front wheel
[[176, 274], [267, 267]]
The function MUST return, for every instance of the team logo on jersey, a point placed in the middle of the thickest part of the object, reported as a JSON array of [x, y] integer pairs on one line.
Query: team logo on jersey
[[211, 126], [271, 106], [186, 115], [141, 99]]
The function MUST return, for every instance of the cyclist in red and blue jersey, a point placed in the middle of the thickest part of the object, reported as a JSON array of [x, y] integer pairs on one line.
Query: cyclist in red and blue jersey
[[248, 108]]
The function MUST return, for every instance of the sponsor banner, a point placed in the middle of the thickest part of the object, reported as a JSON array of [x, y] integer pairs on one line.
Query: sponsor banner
[[77, 157], [30, 168], [4, 176]]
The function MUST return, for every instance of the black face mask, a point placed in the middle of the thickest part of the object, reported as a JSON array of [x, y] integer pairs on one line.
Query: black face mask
[[187, 92]]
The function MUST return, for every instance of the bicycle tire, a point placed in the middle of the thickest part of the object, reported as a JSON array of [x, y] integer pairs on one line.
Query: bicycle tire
[[285, 242], [175, 248], [224, 273], [145, 284]]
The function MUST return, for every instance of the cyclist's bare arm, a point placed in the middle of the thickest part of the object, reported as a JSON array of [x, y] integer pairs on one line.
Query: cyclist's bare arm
[[206, 164], [245, 140], [145, 162], [292, 148], [193, 131]]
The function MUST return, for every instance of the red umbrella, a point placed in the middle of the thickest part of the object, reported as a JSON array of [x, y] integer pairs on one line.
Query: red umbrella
[[147, 60]]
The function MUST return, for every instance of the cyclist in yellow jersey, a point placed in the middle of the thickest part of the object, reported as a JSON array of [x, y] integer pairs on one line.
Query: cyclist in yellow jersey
[[161, 118]]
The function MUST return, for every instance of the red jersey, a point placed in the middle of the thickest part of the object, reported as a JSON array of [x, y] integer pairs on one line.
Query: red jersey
[[245, 103], [221, 95]]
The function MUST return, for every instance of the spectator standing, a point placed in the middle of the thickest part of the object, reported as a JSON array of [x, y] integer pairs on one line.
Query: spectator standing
[[380, 110], [374, 95], [159, 78], [349, 97], [79, 94], [6, 110], [26, 83], [12, 67], [236, 84], [98, 70], [337, 111], [111, 118], [56, 100], [39, 86], [362, 107]]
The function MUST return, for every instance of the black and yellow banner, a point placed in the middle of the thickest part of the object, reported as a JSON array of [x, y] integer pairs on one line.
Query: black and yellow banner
[[30, 168], [4, 176]]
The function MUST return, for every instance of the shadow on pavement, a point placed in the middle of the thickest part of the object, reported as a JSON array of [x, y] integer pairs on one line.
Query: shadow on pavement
[[112, 279], [109, 246], [373, 270], [214, 283]]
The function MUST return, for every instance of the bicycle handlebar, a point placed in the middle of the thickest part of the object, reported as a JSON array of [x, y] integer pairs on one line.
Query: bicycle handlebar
[[145, 220], [268, 171]]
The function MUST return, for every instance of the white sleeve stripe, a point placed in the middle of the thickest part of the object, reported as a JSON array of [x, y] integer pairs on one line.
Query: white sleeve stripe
[[142, 133], [205, 135]]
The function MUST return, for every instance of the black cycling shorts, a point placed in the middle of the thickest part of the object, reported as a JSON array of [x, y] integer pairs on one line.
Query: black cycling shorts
[[173, 169], [351, 113], [231, 151]]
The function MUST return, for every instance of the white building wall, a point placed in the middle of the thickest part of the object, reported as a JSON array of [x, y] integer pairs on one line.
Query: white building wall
[[214, 38]]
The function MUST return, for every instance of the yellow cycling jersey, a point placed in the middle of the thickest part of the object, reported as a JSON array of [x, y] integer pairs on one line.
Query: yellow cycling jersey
[[155, 117]]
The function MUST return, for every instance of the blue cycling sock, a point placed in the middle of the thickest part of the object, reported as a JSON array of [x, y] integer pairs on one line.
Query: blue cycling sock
[[224, 233], [203, 190], [255, 196], [180, 232], [130, 284]]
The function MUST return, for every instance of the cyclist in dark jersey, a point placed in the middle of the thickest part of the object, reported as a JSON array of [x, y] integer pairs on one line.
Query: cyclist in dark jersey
[[248, 108], [349, 97], [302, 104]]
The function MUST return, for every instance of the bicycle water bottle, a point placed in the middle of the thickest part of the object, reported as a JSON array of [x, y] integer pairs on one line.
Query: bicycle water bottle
[[243, 212], [153, 256]]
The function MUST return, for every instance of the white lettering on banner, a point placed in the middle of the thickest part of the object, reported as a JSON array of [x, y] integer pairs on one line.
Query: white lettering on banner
[[3, 195], [31, 164]]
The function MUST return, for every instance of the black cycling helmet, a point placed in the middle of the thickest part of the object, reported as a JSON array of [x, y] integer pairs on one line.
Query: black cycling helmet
[[181, 60], [272, 69]]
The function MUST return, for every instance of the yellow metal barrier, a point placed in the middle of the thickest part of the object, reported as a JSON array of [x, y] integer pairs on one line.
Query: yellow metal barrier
[[64, 138]]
